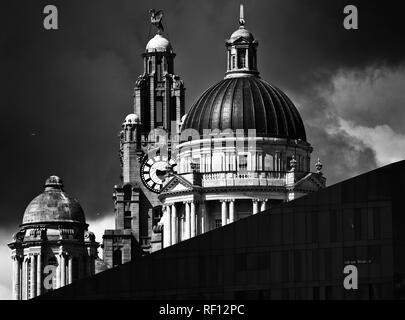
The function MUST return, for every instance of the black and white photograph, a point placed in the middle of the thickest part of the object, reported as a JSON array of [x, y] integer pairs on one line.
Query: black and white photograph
[[218, 152]]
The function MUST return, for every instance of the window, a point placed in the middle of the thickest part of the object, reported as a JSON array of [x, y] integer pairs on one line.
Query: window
[[376, 223], [285, 266], [328, 292], [241, 58], [314, 226], [357, 224], [240, 262], [297, 266], [374, 254], [288, 163], [127, 192], [158, 71], [218, 223], [117, 257], [333, 225], [268, 162], [328, 264], [159, 113], [243, 161], [127, 220], [75, 269], [316, 293], [150, 66], [315, 265], [264, 260]]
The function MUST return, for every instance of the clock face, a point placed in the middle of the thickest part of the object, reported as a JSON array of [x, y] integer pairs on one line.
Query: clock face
[[154, 171]]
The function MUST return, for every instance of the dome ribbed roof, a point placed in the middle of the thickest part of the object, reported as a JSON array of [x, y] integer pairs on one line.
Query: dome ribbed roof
[[53, 205], [246, 103]]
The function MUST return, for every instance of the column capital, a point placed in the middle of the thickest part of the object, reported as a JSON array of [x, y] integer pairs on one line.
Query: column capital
[[255, 200], [16, 258]]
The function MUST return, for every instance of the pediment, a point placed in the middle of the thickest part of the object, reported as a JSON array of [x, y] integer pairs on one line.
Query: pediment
[[309, 182], [176, 184]]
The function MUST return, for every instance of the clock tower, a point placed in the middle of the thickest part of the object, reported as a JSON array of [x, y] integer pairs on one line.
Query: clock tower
[[157, 112]]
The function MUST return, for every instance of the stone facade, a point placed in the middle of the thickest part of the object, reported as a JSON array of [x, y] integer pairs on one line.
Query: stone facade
[[158, 108]]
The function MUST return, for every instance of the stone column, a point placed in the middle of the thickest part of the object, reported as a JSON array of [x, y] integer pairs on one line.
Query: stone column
[[255, 206], [33, 273], [224, 212], [203, 220], [187, 221], [231, 211], [70, 268], [62, 270], [16, 278], [193, 220], [263, 205], [166, 227], [58, 272], [174, 224], [24, 280], [39, 274]]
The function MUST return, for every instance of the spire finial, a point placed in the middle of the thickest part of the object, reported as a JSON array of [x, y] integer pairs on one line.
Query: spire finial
[[241, 16], [318, 166]]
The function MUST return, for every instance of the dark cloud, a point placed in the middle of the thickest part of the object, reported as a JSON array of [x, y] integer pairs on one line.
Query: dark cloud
[[64, 93]]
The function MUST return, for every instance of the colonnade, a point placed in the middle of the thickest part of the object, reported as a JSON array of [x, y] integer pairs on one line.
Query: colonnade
[[193, 222], [29, 276]]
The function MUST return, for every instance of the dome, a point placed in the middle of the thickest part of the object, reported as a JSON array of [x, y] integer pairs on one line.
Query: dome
[[53, 205], [131, 118], [246, 103], [158, 43], [241, 33]]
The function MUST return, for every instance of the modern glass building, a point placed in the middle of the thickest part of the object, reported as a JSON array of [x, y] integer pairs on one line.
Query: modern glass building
[[295, 250]]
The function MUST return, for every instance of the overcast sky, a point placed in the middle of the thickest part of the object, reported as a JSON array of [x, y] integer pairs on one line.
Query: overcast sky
[[65, 93]]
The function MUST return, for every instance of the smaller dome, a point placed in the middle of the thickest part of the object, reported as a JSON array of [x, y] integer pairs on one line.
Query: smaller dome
[[158, 43], [53, 205], [131, 118], [241, 33]]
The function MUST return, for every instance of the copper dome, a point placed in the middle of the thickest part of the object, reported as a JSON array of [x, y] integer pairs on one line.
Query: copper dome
[[53, 205], [246, 103]]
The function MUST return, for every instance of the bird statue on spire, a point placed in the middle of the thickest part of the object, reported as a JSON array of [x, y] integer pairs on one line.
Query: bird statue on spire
[[156, 19], [241, 16]]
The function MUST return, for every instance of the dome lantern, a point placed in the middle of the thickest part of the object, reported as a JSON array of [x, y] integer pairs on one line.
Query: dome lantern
[[241, 51]]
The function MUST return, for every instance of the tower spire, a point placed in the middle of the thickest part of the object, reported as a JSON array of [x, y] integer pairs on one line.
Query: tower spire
[[241, 16]]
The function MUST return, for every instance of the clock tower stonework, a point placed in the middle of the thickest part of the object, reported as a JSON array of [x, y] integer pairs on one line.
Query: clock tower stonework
[[158, 109]]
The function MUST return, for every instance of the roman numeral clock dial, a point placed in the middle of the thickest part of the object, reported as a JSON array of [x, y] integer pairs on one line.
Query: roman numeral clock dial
[[155, 170]]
